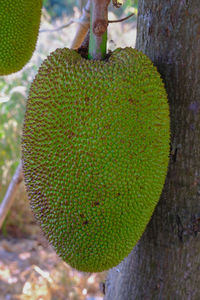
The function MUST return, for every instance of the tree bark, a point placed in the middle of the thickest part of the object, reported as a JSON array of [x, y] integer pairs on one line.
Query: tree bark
[[165, 264]]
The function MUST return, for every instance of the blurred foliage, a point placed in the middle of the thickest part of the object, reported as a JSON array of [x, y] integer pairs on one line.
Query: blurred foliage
[[13, 95], [57, 8], [12, 105]]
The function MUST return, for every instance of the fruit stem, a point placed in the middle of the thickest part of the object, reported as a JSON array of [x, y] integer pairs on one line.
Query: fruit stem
[[98, 29]]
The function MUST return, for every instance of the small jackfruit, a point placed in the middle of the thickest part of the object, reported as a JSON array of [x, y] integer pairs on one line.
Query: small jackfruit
[[95, 151], [19, 26]]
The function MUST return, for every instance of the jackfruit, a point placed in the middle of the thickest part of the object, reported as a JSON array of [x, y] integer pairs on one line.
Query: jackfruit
[[95, 148], [19, 26]]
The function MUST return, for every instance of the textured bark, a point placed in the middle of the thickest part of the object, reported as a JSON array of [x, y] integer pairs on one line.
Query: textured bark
[[165, 264]]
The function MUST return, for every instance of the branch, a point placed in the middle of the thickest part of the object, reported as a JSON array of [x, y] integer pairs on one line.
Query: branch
[[100, 17], [10, 194], [61, 27], [98, 29], [84, 25]]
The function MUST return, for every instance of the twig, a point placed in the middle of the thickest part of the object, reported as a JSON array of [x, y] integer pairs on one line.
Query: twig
[[10, 194], [121, 20], [61, 27]]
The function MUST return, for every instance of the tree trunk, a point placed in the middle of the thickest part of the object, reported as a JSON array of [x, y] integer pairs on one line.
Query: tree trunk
[[165, 264]]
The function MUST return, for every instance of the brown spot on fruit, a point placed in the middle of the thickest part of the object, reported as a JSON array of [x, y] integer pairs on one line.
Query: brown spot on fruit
[[130, 100], [70, 134], [87, 100], [95, 203]]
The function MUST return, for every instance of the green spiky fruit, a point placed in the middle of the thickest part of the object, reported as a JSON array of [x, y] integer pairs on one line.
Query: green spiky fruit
[[95, 153], [19, 25]]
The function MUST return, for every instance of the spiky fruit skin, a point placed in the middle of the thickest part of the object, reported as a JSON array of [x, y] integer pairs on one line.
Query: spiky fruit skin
[[19, 26], [95, 153]]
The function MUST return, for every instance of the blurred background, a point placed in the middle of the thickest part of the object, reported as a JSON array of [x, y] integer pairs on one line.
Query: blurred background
[[29, 268]]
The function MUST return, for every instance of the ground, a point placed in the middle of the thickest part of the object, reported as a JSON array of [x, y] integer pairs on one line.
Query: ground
[[31, 270]]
